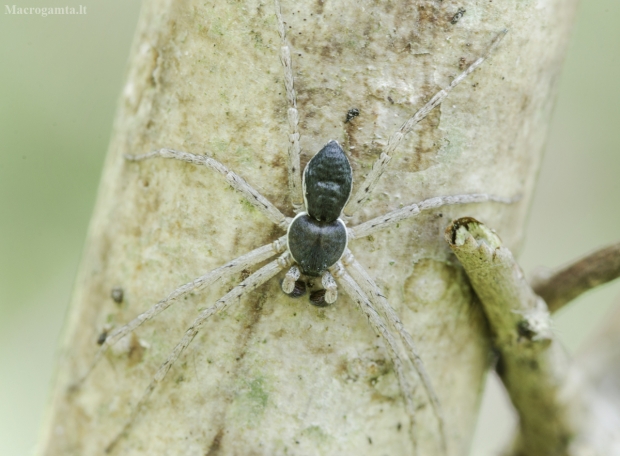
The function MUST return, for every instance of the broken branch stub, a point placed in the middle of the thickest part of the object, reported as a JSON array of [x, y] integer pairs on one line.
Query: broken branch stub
[[532, 365]]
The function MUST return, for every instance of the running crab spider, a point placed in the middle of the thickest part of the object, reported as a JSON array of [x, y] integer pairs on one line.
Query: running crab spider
[[314, 243]]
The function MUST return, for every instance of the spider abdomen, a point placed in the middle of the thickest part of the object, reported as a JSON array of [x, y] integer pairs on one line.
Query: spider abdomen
[[327, 182], [315, 245]]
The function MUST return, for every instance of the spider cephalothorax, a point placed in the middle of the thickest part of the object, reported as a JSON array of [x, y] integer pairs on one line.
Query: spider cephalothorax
[[314, 243]]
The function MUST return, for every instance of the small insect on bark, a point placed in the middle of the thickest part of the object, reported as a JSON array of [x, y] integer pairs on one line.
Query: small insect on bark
[[352, 114], [313, 244]]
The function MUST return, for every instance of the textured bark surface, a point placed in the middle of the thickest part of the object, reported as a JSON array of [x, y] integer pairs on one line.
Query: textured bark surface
[[276, 375]]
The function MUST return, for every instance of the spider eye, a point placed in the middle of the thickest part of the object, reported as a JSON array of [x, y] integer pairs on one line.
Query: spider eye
[[327, 183]]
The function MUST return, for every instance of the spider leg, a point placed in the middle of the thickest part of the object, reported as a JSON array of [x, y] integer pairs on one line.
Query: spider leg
[[353, 289], [331, 289], [294, 149], [292, 276], [379, 167], [238, 264], [252, 282], [398, 215], [368, 285], [237, 182]]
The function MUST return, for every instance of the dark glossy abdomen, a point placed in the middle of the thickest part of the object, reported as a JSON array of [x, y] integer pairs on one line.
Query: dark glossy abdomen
[[327, 183]]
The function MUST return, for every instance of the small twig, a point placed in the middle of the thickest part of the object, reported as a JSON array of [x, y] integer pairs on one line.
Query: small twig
[[532, 365], [561, 286]]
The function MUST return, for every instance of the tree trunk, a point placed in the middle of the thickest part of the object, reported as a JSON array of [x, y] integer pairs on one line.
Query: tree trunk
[[275, 375]]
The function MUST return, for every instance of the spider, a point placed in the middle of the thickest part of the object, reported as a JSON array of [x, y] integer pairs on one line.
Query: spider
[[314, 244]]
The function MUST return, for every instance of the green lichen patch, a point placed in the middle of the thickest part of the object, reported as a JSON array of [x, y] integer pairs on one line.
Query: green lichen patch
[[251, 400]]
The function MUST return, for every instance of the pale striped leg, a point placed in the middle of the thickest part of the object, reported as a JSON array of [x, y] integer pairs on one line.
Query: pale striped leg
[[252, 282], [351, 287], [369, 287], [391, 218], [379, 167], [294, 149], [237, 182], [238, 264], [292, 276], [330, 287]]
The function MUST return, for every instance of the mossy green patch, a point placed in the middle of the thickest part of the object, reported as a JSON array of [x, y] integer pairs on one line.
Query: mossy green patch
[[244, 154], [218, 146], [257, 393], [224, 96], [216, 27], [247, 205], [252, 400], [257, 39], [316, 434]]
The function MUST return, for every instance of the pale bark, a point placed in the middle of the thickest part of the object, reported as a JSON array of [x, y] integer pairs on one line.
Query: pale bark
[[275, 375]]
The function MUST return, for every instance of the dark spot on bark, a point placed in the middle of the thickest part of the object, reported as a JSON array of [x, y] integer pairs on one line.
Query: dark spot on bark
[[245, 274], [525, 331], [500, 366], [319, 6], [428, 142], [136, 350], [102, 337], [117, 295], [426, 13], [525, 103], [214, 449]]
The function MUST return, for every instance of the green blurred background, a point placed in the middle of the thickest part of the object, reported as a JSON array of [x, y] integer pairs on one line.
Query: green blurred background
[[60, 77]]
